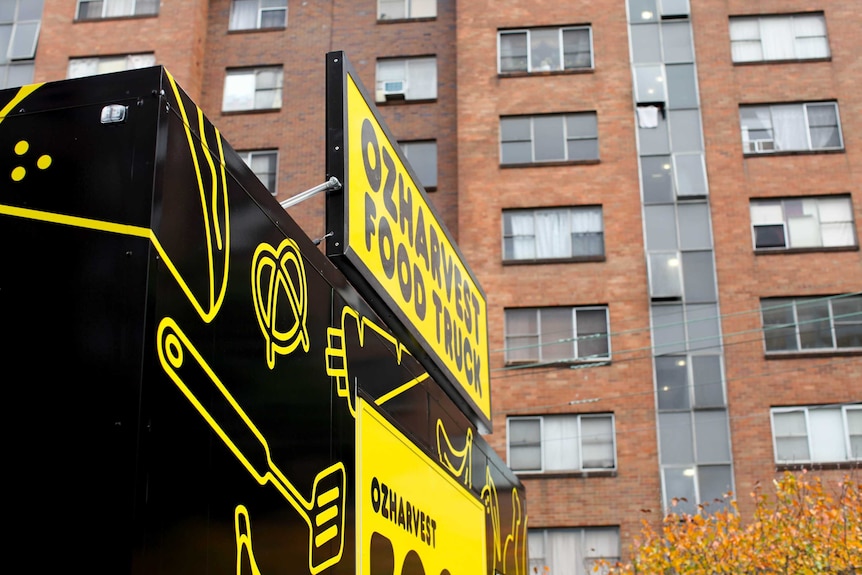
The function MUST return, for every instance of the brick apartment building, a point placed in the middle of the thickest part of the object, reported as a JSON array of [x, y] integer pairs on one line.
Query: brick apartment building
[[660, 198]]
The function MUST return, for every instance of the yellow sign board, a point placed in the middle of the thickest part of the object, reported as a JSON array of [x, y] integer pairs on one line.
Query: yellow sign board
[[403, 251], [413, 516]]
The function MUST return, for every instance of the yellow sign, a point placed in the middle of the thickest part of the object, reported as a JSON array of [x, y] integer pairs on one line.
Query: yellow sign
[[394, 232], [413, 516]]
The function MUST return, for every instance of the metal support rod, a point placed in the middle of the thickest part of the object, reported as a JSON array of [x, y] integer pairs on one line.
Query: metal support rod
[[331, 184]]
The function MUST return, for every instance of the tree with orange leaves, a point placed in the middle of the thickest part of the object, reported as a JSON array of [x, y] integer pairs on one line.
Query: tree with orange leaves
[[802, 528]]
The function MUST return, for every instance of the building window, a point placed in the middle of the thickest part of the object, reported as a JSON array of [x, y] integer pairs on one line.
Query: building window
[[423, 159], [551, 138], [257, 14], [97, 9], [404, 9], [264, 164], [252, 89], [779, 37], [812, 324], [544, 234], [407, 79], [792, 223], [20, 22], [545, 49], [790, 128], [814, 434], [575, 551], [557, 334], [80, 67], [552, 443]]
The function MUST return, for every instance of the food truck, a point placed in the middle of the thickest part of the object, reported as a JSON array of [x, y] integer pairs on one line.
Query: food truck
[[193, 385]]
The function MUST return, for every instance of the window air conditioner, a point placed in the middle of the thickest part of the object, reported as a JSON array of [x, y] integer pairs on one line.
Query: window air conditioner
[[760, 146], [394, 90]]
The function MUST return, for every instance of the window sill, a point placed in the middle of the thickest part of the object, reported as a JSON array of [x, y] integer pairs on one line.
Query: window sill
[[405, 102], [794, 61], [851, 351], [253, 30], [566, 363], [251, 111], [830, 466], [114, 18], [567, 474], [581, 259], [747, 155], [548, 164], [775, 251], [544, 73], [405, 20]]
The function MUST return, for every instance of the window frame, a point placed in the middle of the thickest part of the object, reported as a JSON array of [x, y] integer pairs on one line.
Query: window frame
[[565, 259], [572, 337], [405, 147], [260, 11], [255, 70], [578, 417], [588, 561], [806, 410], [105, 4], [129, 58], [781, 329], [780, 203], [770, 149], [759, 18], [382, 96], [408, 8], [566, 139], [248, 155], [560, 43]]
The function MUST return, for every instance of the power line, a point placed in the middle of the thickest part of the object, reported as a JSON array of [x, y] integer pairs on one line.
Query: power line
[[685, 344], [652, 391], [804, 301]]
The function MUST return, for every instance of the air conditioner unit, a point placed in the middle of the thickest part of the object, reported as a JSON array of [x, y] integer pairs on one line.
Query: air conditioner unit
[[395, 89], [760, 146]]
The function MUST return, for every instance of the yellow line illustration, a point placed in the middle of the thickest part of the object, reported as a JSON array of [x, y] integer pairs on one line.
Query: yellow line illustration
[[324, 512], [277, 272], [23, 92], [517, 535], [211, 213], [448, 455], [242, 527], [336, 357]]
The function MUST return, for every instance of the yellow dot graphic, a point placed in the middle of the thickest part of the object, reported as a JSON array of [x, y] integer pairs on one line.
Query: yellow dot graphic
[[18, 174], [22, 147], [43, 162]]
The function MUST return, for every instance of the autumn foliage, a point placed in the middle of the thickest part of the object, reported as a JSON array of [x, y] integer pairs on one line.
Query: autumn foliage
[[802, 527]]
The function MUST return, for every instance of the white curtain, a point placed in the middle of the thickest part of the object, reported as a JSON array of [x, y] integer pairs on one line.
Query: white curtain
[[136, 61], [827, 431], [524, 240], [562, 552], [745, 40], [421, 78], [553, 234], [391, 9], [119, 8], [836, 222], [810, 32], [560, 443], [243, 14], [788, 127], [423, 8], [80, 67], [777, 37], [238, 92]]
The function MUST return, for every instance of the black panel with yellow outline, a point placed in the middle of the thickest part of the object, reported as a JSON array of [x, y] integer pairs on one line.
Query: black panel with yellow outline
[[186, 373]]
